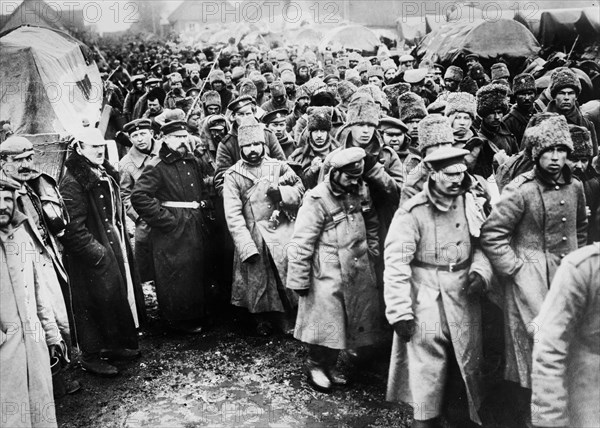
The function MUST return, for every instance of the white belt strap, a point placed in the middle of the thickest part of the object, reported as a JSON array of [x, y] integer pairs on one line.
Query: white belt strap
[[180, 204]]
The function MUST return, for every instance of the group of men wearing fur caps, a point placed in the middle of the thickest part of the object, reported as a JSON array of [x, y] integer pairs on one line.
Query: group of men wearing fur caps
[[359, 205]]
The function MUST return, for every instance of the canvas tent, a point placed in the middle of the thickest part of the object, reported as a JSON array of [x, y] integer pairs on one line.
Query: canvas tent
[[48, 84], [488, 39]]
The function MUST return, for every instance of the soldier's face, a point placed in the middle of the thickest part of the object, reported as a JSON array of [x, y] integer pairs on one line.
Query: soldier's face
[[243, 113], [451, 84], [493, 119], [92, 152], [142, 139], [177, 141], [566, 99], [525, 99], [153, 106], [319, 136], [578, 164], [461, 123], [362, 134], [253, 152], [393, 138], [213, 109], [349, 183], [413, 127], [448, 181], [278, 129], [7, 207], [21, 169], [553, 160]]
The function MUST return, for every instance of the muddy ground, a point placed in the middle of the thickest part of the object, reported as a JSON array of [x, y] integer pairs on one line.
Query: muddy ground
[[224, 378]]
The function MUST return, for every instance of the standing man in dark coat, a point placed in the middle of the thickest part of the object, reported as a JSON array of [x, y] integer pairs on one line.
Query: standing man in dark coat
[[517, 118], [565, 89], [107, 298], [170, 196]]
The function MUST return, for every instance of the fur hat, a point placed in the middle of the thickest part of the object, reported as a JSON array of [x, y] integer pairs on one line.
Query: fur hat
[[375, 93], [345, 90], [362, 109], [266, 67], [582, 142], [523, 82], [454, 73], [492, 97], [477, 72], [411, 106], [277, 89], [352, 76], [434, 130], [388, 64], [376, 71], [551, 132], [437, 107], [250, 131], [460, 102], [468, 85], [211, 98], [216, 76], [247, 87], [564, 78], [314, 85], [288, 76], [392, 92], [355, 56], [363, 66], [499, 71], [319, 118], [259, 81], [237, 73], [323, 98]]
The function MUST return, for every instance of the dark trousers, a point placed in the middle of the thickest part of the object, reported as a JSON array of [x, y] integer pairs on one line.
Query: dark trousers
[[143, 251], [322, 357]]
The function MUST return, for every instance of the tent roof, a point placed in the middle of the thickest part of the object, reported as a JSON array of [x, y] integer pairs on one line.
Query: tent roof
[[35, 12]]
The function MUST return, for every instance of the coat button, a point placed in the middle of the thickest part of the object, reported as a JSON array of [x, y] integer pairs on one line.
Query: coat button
[[557, 188], [562, 255], [562, 202], [192, 184], [101, 196], [564, 219], [564, 238], [355, 259]]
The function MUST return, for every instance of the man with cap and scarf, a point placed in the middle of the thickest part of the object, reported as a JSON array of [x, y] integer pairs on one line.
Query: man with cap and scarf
[[331, 268], [275, 121], [133, 96], [29, 336], [539, 219], [176, 92], [517, 118], [565, 89], [228, 152], [452, 78], [301, 103], [309, 158], [170, 196], [394, 134], [141, 105], [411, 110], [108, 302], [261, 196], [218, 84], [144, 149], [498, 142], [279, 99], [435, 273]]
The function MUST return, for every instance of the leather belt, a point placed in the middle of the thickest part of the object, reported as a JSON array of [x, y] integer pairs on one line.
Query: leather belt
[[450, 267], [180, 204]]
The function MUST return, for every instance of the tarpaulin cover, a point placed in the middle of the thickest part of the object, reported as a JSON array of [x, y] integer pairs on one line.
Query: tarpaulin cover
[[352, 37], [46, 86], [486, 38]]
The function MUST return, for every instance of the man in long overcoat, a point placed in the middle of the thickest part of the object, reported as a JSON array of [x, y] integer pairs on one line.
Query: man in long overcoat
[[28, 328], [331, 267], [108, 301], [261, 196], [170, 197], [566, 354], [539, 219], [434, 275]]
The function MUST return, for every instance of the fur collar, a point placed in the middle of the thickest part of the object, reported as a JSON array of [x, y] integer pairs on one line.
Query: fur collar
[[81, 169]]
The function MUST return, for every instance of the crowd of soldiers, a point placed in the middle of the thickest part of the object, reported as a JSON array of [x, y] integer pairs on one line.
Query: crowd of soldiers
[[355, 203]]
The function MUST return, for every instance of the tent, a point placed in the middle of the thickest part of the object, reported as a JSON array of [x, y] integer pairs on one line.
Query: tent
[[355, 37], [488, 39], [50, 83]]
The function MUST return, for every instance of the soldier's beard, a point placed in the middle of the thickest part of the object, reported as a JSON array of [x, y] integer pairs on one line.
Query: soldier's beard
[[253, 158]]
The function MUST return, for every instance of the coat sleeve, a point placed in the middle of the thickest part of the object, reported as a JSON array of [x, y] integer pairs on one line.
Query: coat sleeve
[[557, 323], [372, 226], [234, 214], [301, 249], [382, 183], [497, 231], [394, 170], [291, 187], [582, 220], [45, 312], [275, 150], [126, 184], [400, 247], [145, 203], [77, 239], [224, 161]]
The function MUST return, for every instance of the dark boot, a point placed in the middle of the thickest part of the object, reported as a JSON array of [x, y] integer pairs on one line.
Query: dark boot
[[93, 364], [120, 354], [319, 358], [428, 423]]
